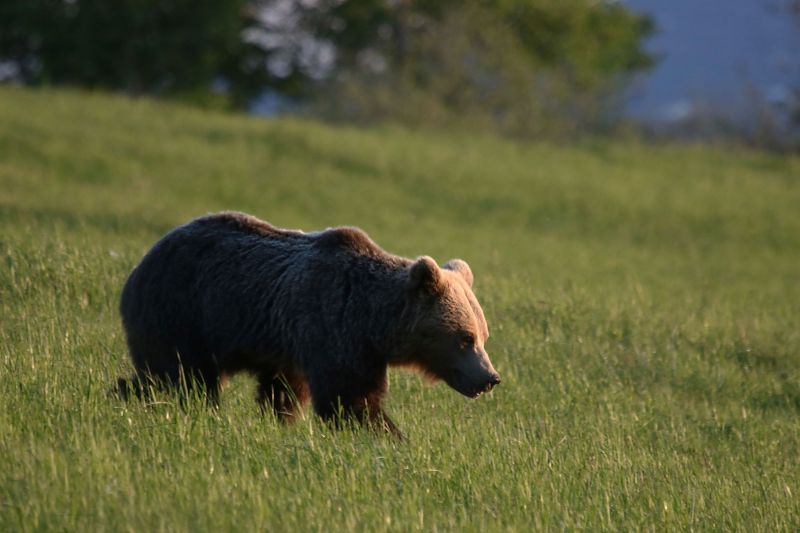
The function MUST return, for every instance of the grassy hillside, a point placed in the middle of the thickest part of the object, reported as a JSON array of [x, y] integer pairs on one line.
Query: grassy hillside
[[644, 304]]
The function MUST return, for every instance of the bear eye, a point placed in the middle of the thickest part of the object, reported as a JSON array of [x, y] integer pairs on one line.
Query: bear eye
[[467, 339]]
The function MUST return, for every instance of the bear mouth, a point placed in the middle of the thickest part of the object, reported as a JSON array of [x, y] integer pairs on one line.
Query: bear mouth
[[481, 391]]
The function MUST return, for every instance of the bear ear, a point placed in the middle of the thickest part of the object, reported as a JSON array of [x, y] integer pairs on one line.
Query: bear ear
[[424, 273], [460, 266]]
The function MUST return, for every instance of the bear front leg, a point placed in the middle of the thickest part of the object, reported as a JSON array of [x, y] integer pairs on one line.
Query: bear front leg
[[339, 395], [380, 418], [362, 410]]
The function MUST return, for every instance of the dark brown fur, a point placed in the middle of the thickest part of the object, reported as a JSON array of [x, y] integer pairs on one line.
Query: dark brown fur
[[317, 315]]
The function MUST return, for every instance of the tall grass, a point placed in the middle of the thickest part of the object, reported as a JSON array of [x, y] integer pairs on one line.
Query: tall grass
[[644, 304]]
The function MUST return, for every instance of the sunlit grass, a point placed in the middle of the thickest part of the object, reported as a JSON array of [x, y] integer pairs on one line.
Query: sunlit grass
[[643, 303]]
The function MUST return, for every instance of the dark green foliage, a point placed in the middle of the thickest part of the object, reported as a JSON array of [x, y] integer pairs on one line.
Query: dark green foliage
[[139, 46], [517, 66]]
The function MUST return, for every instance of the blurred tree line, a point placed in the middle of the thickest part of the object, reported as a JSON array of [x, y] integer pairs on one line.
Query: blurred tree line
[[523, 67]]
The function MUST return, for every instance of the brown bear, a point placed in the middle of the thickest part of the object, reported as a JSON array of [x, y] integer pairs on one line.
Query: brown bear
[[321, 314]]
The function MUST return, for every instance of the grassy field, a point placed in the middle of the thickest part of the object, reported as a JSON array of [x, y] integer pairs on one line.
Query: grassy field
[[644, 304]]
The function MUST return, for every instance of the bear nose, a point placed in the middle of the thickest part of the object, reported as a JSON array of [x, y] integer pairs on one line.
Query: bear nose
[[494, 380]]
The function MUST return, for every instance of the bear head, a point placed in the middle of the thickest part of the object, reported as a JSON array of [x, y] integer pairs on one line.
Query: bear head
[[445, 330]]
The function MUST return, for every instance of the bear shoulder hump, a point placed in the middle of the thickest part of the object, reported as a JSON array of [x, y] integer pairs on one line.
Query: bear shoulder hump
[[346, 238]]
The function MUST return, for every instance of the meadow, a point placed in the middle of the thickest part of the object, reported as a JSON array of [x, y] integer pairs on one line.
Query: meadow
[[644, 304]]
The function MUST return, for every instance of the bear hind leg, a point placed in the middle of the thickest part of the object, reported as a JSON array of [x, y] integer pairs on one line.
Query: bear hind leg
[[284, 393], [161, 367]]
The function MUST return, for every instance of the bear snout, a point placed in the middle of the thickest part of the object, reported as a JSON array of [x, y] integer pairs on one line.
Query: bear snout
[[490, 384], [473, 375], [470, 386]]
